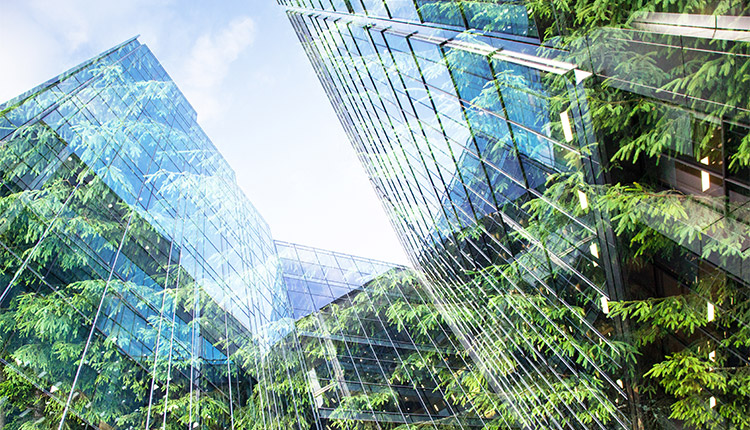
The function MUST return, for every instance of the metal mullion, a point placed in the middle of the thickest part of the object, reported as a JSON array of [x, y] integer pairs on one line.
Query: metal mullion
[[390, 339], [421, 123], [563, 302], [174, 315], [442, 127], [555, 352], [437, 349], [356, 371], [452, 74], [402, 111], [94, 322], [506, 384]]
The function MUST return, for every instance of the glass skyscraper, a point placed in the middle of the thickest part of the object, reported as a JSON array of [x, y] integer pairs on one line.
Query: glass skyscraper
[[572, 179], [140, 288]]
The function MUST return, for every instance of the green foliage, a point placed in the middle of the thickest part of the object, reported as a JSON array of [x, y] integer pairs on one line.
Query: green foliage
[[707, 367], [63, 215], [408, 317], [650, 222]]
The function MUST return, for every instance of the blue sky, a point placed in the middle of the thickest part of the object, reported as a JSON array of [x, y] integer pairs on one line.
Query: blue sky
[[241, 66]]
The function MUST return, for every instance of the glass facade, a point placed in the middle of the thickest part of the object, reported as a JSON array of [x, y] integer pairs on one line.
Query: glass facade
[[574, 187], [314, 277], [571, 180], [375, 351], [138, 286]]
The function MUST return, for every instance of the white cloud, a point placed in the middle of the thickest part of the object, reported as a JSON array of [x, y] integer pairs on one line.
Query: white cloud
[[80, 22], [45, 37], [32, 54], [209, 63]]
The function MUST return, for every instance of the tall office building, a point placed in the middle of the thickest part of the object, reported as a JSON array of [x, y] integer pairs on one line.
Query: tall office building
[[573, 178], [139, 287]]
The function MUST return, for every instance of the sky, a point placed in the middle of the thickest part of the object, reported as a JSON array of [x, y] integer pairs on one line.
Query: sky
[[243, 69]]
